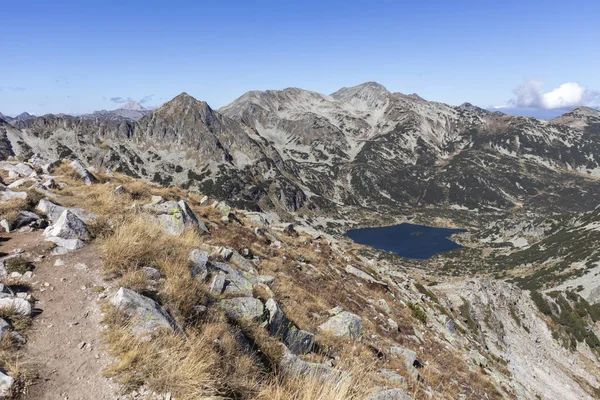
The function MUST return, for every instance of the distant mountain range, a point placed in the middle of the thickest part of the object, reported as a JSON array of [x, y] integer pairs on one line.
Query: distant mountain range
[[360, 148]]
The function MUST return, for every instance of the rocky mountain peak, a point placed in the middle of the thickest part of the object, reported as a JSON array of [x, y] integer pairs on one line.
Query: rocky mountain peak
[[583, 111], [371, 93], [24, 116], [132, 106], [184, 105]]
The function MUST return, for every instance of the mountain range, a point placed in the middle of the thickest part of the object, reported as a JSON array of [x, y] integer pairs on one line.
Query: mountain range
[[359, 149]]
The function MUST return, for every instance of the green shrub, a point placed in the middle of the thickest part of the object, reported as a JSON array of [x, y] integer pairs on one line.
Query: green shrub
[[417, 312], [540, 302]]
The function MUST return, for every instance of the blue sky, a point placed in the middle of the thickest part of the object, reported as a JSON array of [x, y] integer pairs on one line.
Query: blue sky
[[75, 56]]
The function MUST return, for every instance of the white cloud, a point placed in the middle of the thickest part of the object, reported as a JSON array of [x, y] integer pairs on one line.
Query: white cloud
[[567, 95]]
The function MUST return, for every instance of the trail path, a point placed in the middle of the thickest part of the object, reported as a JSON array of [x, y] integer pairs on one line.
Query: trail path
[[64, 342]]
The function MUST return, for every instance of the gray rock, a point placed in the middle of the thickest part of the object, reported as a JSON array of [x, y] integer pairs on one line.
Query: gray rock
[[335, 310], [223, 209], [20, 182], [478, 359], [343, 324], [390, 394], [9, 195], [294, 366], [4, 327], [66, 244], [384, 306], [24, 218], [409, 357], [51, 166], [217, 284], [198, 259], [20, 169], [68, 226], [5, 225], [83, 173], [147, 315], [5, 291], [297, 340], [362, 275], [15, 305], [394, 378], [119, 190], [237, 283], [50, 184], [242, 308], [152, 273], [6, 384], [242, 262], [266, 279], [174, 217], [54, 211]]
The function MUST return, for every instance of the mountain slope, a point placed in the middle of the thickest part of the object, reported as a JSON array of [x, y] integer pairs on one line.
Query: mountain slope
[[362, 150]]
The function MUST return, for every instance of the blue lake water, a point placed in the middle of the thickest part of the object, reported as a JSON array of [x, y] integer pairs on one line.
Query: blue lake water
[[407, 240]]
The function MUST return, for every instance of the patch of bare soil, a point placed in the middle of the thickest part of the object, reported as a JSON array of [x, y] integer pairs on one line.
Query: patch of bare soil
[[64, 342]]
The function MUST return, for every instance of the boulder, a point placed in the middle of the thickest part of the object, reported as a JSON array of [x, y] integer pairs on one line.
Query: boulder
[[241, 262], [390, 394], [67, 244], [68, 226], [6, 384], [223, 209], [297, 340], [394, 378], [343, 324], [242, 308], [83, 173], [294, 366], [15, 305], [24, 218], [409, 357], [362, 275], [174, 217], [198, 260], [51, 166], [54, 211], [119, 190], [49, 184], [236, 282], [146, 314], [9, 195], [151, 273], [20, 182], [20, 169]]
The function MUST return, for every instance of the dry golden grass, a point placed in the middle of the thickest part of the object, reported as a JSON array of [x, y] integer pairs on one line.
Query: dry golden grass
[[139, 242], [207, 361], [353, 386], [10, 209], [12, 364]]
